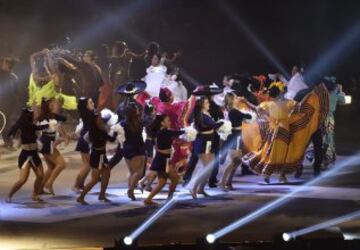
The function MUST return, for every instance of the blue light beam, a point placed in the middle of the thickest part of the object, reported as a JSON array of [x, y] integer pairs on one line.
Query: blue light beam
[[243, 27], [323, 225], [329, 58], [284, 199]]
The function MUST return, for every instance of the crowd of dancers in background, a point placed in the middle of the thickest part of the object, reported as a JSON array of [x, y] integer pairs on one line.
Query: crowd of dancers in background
[[159, 130]]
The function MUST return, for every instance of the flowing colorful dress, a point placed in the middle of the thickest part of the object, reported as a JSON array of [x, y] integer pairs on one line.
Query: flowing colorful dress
[[287, 133]]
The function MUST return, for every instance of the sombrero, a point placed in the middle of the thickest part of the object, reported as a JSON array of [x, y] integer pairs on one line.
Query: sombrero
[[207, 90], [131, 88]]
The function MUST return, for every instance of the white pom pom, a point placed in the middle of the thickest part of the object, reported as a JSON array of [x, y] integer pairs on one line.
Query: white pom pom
[[117, 128], [111, 116], [78, 128], [225, 130], [190, 134]]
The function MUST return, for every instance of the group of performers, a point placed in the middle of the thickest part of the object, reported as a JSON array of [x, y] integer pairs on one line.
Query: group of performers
[[262, 124]]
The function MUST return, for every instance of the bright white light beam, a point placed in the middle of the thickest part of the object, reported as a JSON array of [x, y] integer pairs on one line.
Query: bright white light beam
[[323, 225], [284, 199]]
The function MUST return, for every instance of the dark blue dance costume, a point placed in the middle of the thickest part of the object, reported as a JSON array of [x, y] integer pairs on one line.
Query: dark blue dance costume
[[164, 139], [82, 145], [98, 139], [28, 136], [48, 137], [205, 140], [234, 140], [134, 143]]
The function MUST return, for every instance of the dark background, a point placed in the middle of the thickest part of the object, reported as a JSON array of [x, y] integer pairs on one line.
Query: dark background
[[212, 44]]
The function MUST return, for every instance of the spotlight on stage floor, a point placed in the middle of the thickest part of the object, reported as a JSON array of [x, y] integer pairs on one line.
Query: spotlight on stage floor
[[340, 165], [126, 243], [210, 238], [207, 242], [286, 237], [170, 203], [323, 225]]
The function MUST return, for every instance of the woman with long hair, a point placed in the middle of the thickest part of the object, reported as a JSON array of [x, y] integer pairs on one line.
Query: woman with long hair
[[234, 141], [164, 136], [203, 145], [98, 137], [29, 157], [134, 146], [86, 109], [54, 160]]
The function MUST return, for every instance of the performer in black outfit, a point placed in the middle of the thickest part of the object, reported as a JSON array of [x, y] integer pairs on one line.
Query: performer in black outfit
[[134, 146], [217, 114], [98, 161], [160, 129], [29, 157], [54, 160], [234, 140], [131, 119], [86, 109], [203, 145]]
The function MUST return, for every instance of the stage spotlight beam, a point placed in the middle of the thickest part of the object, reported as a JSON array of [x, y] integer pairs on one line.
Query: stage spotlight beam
[[250, 34], [326, 224], [284, 199], [163, 209], [329, 58]]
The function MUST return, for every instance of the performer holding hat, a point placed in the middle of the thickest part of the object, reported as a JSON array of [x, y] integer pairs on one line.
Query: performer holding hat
[[216, 114], [133, 123], [205, 144]]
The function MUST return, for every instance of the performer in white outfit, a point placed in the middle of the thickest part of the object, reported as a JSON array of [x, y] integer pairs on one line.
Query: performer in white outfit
[[294, 85], [155, 76], [176, 86]]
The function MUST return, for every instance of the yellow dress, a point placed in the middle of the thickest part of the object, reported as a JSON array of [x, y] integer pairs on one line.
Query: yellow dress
[[284, 140], [48, 90], [275, 148]]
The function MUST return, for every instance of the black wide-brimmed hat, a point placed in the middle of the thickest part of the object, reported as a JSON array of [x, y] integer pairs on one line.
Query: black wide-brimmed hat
[[207, 90], [131, 88]]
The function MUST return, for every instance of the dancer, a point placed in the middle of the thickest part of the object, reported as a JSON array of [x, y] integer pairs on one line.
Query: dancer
[[234, 141], [98, 161], [277, 111], [86, 109], [133, 125], [128, 90], [336, 96], [54, 160], [29, 157], [134, 146], [161, 130], [216, 113], [176, 86], [155, 77], [165, 105], [204, 144]]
